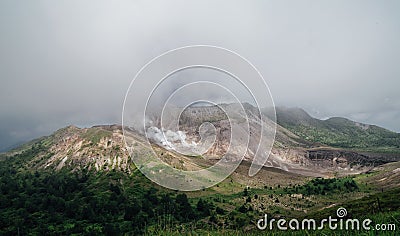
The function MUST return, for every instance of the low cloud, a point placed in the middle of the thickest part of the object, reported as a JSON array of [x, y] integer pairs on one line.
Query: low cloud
[[70, 62]]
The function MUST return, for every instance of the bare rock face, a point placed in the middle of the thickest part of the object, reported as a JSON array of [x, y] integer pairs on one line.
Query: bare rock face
[[235, 131], [97, 148], [289, 152], [344, 159]]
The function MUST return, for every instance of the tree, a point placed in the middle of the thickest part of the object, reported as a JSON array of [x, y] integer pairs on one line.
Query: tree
[[184, 209], [203, 207], [248, 199], [246, 192]]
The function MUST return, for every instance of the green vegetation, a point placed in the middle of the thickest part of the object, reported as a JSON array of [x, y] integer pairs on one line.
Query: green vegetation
[[93, 203], [114, 203], [381, 203], [96, 134], [320, 186], [65, 203], [349, 137], [339, 132]]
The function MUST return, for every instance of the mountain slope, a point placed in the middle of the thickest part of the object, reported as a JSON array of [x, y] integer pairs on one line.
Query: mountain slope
[[82, 181], [303, 145], [41, 192], [338, 132]]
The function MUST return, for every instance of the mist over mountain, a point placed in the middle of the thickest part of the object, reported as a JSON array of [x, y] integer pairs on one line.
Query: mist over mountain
[[330, 58]]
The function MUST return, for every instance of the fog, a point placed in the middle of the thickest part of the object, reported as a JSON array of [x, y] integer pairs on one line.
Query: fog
[[71, 62]]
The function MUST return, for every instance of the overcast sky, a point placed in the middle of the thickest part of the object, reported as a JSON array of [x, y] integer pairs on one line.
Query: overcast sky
[[70, 62]]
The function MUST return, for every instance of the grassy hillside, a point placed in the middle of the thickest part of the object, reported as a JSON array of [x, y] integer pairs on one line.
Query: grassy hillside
[[338, 132], [40, 201]]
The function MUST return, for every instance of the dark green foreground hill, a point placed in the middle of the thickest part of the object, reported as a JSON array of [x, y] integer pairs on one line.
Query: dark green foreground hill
[[43, 202]]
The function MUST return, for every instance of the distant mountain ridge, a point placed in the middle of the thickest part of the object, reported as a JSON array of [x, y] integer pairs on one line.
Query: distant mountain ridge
[[338, 131]]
